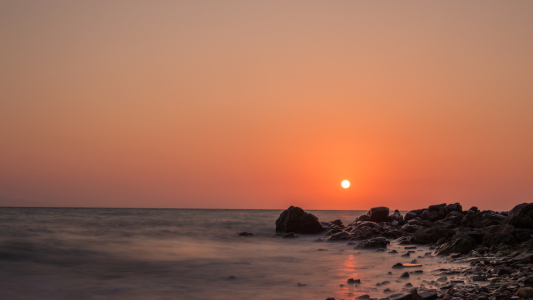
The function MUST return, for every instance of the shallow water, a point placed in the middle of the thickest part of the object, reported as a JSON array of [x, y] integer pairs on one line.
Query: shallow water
[[66, 253]]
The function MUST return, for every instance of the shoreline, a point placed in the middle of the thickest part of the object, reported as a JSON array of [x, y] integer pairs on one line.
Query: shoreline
[[495, 248]]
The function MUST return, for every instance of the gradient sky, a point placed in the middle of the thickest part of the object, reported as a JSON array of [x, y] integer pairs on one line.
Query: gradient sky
[[266, 104]]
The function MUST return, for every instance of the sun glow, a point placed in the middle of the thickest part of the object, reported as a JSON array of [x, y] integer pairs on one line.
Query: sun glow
[[345, 184]]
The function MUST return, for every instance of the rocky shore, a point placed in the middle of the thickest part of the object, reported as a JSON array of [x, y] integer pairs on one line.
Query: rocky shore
[[495, 247]]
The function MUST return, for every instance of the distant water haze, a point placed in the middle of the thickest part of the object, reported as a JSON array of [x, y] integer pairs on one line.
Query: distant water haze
[[75, 253]]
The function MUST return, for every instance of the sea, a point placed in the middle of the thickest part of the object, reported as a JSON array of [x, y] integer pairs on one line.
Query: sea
[[123, 253]]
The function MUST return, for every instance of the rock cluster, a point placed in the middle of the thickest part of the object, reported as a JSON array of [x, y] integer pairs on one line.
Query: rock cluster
[[498, 245]]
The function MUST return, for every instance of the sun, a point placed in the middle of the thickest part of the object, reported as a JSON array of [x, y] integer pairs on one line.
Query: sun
[[345, 184]]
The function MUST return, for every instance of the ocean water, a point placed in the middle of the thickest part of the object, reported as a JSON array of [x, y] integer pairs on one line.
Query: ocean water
[[82, 253]]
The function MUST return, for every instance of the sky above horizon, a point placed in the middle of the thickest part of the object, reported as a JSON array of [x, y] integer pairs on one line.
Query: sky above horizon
[[266, 104]]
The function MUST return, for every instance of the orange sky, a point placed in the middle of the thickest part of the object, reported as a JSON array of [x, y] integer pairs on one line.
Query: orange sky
[[249, 104]]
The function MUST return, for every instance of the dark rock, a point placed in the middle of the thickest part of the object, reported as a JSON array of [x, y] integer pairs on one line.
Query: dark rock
[[454, 208], [296, 220], [330, 298], [377, 242], [378, 214], [398, 265], [290, 235], [495, 240], [410, 228], [529, 281], [457, 245], [521, 216], [406, 255], [246, 234], [431, 235], [408, 284], [387, 290], [390, 273], [404, 274], [473, 208], [471, 220], [479, 278], [354, 281], [428, 295], [341, 236], [525, 292], [232, 277], [393, 252], [412, 295], [301, 284], [363, 297]]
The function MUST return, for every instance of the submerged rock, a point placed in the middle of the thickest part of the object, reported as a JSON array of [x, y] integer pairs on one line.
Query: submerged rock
[[296, 220]]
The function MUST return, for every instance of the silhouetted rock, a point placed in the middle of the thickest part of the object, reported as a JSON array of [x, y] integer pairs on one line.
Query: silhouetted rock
[[378, 214], [431, 235], [354, 281], [296, 220], [246, 234], [521, 216]]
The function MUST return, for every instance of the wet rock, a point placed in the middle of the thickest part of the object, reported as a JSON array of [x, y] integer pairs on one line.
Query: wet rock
[[521, 216], [412, 295], [354, 281], [393, 252], [398, 265], [431, 215], [389, 273], [341, 236], [378, 214], [406, 255], [404, 274], [330, 298], [231, 277], [387, 290], [408, 284], [457, 245], [386, 282], [246, 234], [290, 235], [296, 220], [301, 284], [428, 295], [377, 242], [525, 292], [363, 297]]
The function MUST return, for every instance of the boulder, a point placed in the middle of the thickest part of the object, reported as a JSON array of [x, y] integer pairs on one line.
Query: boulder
[[431, 215], [413, 214], [471, 220], [461, 245], [377, 242], [378, 214], [412, 295], [428, 295], [454, 207], [521, 216], [296, 220], [431, 235], [341, 236]]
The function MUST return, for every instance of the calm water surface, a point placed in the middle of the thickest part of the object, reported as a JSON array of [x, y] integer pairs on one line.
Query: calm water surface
[[76, 253]]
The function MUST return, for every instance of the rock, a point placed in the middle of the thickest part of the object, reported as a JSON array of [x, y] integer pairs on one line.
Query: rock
[[479, 278], [296, 220], [354, 281], [363, 297], [406, 255], [428, 295], [525, 292], [393, 252], [232, 277], [378, 214], [431, 235], [471, 220], [301, 284], [341, 236], [330, 298], [454, 208], [521, 216], [473, 208], [377, 242], [404, 274], [529, 281], [387, 290], [412, 295], [398, 265], [290, 235], [457, 245], [390, 273], [246, 234], [431, 215], [408, 284]]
